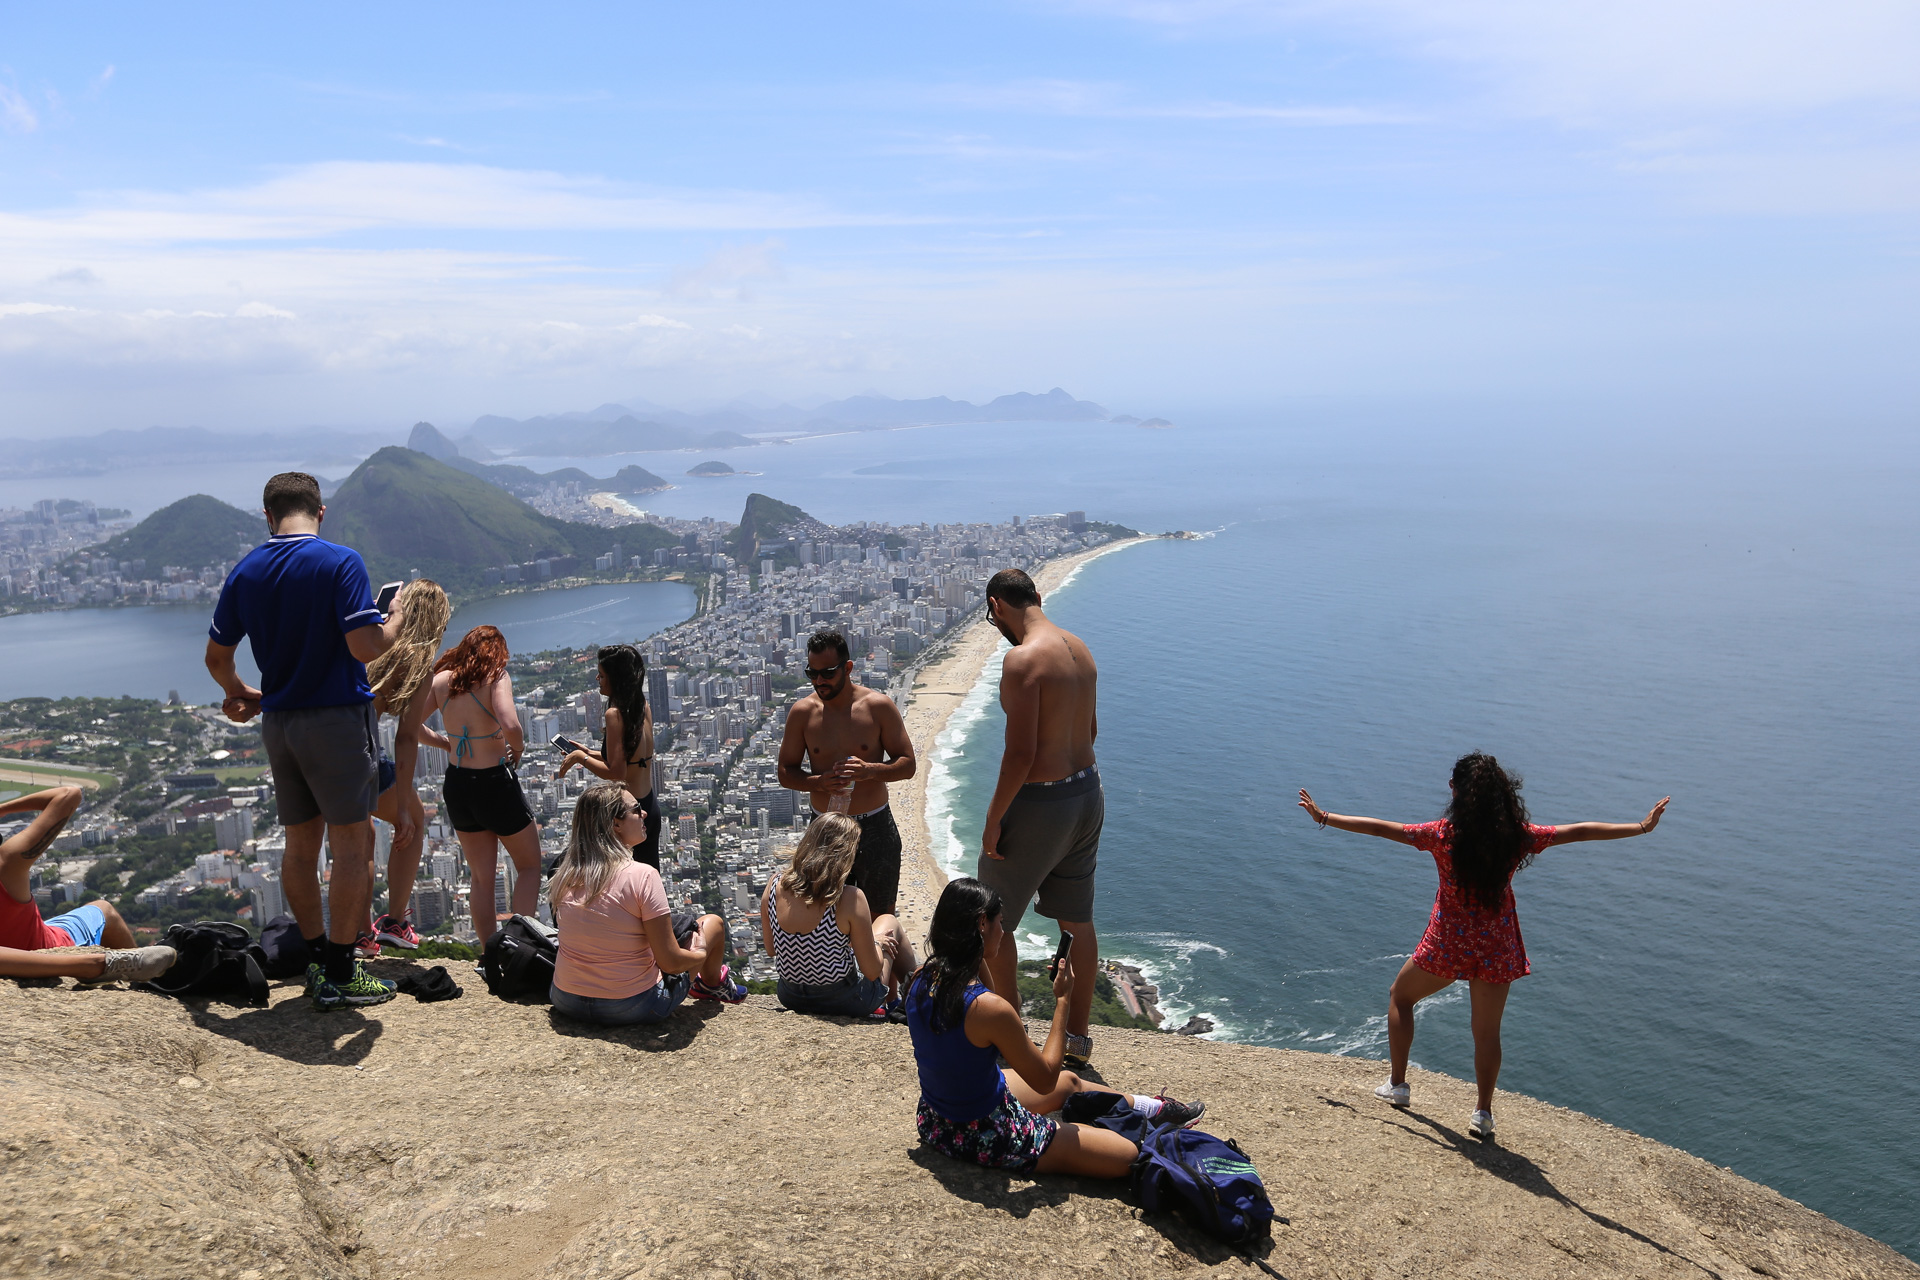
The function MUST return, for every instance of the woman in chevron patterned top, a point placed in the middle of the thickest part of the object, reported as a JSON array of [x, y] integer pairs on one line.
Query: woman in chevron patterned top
[[833, 954]]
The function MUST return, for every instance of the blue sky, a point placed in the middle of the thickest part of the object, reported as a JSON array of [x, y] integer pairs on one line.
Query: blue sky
[[241, 218]]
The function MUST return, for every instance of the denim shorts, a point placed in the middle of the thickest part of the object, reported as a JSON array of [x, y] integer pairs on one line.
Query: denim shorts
[[856, 997], [643, 1006], [85, 925]]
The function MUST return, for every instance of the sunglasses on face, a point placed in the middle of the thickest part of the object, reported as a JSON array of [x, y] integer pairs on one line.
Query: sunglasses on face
[[825, 673]]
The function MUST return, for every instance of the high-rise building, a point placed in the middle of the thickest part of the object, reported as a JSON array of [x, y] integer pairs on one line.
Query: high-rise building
[[232, 828], [269, 899], [432, 904]]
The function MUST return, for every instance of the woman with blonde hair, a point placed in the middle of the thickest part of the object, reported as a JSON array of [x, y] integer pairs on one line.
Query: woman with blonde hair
[[399, 680], [625, 956], [484, 802], [832, 954]]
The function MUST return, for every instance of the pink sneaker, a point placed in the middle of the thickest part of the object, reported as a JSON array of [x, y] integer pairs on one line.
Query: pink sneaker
[[366, 946], [728, 992], [398, 933]]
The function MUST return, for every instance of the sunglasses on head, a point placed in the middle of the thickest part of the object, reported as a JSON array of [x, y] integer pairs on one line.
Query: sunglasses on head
[[825, 673]]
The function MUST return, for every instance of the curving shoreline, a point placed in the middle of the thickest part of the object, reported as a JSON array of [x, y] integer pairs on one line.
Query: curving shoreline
[[937, 693]]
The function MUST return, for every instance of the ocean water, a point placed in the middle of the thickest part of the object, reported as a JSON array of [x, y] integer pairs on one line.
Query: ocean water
[[1619, 610]]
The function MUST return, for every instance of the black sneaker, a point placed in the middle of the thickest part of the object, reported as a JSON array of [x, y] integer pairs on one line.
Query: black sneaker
[[1175, 1114]]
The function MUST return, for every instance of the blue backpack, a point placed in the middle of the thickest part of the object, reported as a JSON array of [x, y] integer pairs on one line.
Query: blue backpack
[[1210, 1179]]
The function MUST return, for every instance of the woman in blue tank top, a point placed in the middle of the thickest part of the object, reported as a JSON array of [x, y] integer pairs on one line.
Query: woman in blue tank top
[[971, 1109]]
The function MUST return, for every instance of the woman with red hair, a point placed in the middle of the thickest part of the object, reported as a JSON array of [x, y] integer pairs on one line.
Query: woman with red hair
[[474, 695]]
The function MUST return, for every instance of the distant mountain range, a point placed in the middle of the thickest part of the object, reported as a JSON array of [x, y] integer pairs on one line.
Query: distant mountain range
[[634, 427]]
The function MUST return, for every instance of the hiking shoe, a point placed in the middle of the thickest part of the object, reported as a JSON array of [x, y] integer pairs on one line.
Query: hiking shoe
[[399, 933], [1079, 1052], [315, 976], [142, 964], [727, 992], [366, 946], [1175, 1114], [1394, 1095], [1481, 1126], [363, 989]]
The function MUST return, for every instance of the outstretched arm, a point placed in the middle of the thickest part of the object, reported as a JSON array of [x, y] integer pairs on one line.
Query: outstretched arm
[[1574, 832], [1359, 826]]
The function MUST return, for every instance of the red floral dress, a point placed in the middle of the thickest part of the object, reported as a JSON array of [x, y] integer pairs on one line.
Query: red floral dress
[[1462, 941]]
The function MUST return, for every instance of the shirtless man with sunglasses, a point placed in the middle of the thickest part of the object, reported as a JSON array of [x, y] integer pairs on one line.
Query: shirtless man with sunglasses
[[845, 733]]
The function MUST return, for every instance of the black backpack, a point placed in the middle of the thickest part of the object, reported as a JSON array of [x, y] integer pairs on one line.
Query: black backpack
[[284, 948], [216, 959], [519, 958]]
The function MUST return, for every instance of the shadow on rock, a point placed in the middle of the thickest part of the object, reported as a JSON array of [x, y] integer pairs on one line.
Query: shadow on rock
[[1018, 1195], [296, 1031], [677, 1032], [1512, 1167]]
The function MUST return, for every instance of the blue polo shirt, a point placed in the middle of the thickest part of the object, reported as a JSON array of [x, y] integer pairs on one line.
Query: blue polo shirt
[[296, 596]]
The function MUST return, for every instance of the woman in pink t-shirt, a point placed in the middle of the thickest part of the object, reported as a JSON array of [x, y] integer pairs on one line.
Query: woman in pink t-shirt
[[625, 956], [1474, 932]]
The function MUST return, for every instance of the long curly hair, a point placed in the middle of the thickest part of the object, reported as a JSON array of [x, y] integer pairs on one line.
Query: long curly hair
[[397, 674], [627, 679], [1487, 820], [477, 660], [594, 849], [822, 860], [957, 947]]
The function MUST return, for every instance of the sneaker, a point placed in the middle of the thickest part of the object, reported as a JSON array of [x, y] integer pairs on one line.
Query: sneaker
[[315, 976], [1175, 1114], [399, 933], [142, 964], [727, 992], [363, 989], [366, 946], [1394, 1095], [1482, 1126], [1079, 1052]]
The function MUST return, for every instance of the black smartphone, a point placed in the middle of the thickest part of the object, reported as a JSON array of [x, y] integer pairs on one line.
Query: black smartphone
[[565, 743], [1059, 954], [384, 601]]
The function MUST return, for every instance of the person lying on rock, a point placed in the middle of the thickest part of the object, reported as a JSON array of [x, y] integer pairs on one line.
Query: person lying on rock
[[625, 957], [30, 946], [969, 1108], [832, 953]]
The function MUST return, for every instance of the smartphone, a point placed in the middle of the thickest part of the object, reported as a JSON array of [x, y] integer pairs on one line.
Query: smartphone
[[384, 601], [1059, 954], [565, 743]]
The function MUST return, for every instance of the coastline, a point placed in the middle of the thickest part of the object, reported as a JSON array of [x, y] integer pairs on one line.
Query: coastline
[[936, 694]]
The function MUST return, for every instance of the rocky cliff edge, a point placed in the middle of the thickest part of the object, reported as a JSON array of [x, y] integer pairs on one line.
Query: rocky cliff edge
[[147, 1138]]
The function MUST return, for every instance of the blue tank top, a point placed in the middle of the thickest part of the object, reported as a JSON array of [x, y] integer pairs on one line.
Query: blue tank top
[[958, 1078]]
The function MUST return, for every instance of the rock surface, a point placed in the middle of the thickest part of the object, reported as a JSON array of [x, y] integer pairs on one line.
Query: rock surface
[[148, 1138]]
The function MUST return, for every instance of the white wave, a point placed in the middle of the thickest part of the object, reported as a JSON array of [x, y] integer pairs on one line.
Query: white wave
[[950, 847]]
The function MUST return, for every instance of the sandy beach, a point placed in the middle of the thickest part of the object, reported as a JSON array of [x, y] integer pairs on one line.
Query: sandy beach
[[937, 691]]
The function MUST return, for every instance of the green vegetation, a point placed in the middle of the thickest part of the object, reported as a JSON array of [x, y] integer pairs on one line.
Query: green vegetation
[[403, 511], [1111, 530], [762, 520], [1036, 997], [438, 951], [192, 533]]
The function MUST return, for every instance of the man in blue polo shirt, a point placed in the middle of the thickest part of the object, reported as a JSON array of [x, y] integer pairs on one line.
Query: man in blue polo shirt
[[308, 609]]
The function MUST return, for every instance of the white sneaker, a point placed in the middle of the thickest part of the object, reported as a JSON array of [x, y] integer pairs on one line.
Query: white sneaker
[[140, 964], [1394, 1095], [1482, 1126]]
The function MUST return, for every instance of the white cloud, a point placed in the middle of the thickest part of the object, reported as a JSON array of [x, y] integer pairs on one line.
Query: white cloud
[[16, 113], [30, 308], [261, 311], [727, 272]]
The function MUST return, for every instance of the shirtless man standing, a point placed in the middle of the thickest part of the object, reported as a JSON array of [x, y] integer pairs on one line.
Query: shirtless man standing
[[1043, 826], [850, 736]]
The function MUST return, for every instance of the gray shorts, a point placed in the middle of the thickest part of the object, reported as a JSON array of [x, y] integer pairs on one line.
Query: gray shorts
[[325, 763], [1050, 840]]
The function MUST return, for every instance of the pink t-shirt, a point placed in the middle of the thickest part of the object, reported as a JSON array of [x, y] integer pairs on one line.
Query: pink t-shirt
[[603, 950]]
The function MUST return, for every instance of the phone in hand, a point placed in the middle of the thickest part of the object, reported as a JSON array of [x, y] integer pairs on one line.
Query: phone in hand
[[1059, 954], [384, 601], [566, 744]]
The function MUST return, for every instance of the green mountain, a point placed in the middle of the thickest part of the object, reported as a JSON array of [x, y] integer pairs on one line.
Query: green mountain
[[761, 522], [403, 510], [192, 533]]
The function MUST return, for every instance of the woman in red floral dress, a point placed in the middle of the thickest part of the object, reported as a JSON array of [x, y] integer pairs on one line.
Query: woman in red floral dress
[[1474, 933]]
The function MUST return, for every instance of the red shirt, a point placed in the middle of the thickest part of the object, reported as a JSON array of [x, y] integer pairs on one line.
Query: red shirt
[[22, 929]]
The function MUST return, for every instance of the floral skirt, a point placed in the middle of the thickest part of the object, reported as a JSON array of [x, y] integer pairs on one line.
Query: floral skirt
[[1007, 1137]]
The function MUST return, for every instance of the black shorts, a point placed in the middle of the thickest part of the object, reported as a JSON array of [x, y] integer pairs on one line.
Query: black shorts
[[648, 850], [876, 867], [485, 800]]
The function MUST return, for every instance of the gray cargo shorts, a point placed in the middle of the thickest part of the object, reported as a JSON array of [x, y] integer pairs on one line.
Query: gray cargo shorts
[[1050, 842], [325, 763]]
